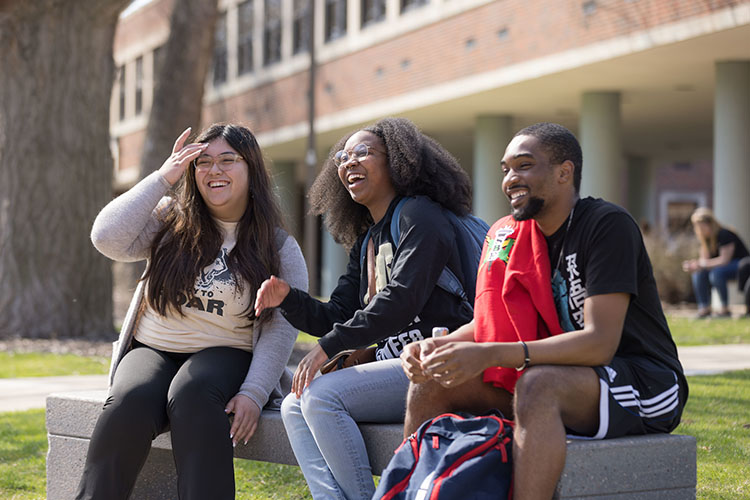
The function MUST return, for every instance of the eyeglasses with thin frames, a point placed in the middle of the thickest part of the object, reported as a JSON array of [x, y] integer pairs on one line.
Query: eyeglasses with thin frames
[[359, 152], [225, 162]]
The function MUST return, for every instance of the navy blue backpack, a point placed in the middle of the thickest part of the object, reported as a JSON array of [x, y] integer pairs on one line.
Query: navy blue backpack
[[470, 231], [453, 456]]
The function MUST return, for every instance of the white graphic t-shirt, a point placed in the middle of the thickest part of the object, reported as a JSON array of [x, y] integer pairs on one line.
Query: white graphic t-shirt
[[213, 317]]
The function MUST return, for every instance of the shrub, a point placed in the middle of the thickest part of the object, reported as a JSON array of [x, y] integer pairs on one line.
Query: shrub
[[667, 256]]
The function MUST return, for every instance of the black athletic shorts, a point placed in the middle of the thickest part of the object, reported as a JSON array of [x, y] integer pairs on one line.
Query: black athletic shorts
[[637, 396]]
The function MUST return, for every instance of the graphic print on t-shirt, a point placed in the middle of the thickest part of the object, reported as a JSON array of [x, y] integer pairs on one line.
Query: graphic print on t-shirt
[[569, 295], [215, 279]]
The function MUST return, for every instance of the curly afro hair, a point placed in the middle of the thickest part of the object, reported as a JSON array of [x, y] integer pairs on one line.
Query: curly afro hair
[[418, 165]]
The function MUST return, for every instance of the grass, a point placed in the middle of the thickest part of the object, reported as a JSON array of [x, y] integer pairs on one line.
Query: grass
[[716, 414], [688, 331], [23, 447], [44, 364]]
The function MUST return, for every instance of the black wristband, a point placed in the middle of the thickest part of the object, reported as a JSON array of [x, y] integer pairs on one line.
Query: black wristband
[[526, 359]]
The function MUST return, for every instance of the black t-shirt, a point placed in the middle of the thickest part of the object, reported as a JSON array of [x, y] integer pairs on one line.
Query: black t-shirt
[[603, 252], [407, 304], [726, 237]]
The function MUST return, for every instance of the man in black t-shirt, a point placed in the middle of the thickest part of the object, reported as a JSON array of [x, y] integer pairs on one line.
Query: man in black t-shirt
[[613, 372]]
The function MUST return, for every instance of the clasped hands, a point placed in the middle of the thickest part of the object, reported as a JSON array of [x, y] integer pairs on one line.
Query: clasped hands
[[449, 363]]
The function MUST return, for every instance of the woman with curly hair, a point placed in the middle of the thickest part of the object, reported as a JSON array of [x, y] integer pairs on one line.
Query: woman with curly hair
[[389, 298], [191, 348]]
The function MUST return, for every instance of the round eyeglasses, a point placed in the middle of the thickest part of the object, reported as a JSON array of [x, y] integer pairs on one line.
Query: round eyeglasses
[[358, 152], [225, 161]]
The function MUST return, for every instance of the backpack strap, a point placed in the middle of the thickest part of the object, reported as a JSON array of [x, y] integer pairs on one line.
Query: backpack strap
[[447, 280]]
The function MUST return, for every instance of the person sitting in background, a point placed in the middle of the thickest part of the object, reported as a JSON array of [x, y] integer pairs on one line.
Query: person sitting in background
[[191, 348], [720, 253]]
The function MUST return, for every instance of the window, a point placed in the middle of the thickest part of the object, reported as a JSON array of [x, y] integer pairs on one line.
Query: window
[[121, 82], [678, 216], [412, 4], [138, 85], [335, 19], [245, 37], [372, 11], [158, 62], [272, 32], [301, 26], [220, 51]]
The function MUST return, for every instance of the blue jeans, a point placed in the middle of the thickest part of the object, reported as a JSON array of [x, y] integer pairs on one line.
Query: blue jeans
[[322, 425], [717, 277]]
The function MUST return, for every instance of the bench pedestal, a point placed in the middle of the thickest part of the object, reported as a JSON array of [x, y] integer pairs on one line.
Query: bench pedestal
[[654, 467]]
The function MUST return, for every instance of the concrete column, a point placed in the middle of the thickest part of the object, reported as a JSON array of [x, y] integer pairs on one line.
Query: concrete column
[[642, 190], [732, 146], [287, 190], [334, 259], [602, 147], [491, 136]]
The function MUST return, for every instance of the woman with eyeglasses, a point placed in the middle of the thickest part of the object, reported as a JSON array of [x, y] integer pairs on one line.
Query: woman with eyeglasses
[[192, 351], [721, 251], [389, 298]]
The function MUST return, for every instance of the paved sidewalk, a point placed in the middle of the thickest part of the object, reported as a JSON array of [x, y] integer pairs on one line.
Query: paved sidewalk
[[19, 394], [26, 393]]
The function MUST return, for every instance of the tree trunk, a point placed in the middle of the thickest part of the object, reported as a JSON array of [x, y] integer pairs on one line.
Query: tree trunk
[[55, 166], [178, 96]]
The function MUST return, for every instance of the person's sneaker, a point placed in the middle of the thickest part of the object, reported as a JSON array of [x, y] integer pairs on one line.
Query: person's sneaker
[[723, 314], [703, 315]]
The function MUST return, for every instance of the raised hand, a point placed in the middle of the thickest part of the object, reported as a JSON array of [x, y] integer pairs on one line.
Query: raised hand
[[174, 166], [271, 293]]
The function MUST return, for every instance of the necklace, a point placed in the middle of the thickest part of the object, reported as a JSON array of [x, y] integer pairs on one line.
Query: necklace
[[562, 244]]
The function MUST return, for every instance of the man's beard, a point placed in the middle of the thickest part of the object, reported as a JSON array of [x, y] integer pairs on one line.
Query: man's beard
[[530, 210]]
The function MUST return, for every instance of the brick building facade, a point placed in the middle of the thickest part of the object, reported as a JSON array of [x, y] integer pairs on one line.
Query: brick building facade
[[641, 82]]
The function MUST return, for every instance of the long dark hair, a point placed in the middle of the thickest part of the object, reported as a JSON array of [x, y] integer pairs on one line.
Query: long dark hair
[[418, 165], [190, 239]]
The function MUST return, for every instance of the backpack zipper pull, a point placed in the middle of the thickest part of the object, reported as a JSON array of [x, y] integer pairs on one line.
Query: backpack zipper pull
[[435, 442]]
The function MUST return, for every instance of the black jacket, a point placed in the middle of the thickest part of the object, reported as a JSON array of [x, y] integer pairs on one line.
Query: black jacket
[[407, 304]]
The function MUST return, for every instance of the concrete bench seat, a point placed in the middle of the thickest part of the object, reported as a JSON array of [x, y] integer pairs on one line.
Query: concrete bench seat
[[644, 467]]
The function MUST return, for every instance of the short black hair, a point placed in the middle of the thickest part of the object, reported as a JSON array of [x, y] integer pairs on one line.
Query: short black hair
[[560, 144]]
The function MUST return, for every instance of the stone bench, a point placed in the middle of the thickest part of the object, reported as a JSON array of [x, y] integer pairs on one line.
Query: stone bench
[[644, 467]]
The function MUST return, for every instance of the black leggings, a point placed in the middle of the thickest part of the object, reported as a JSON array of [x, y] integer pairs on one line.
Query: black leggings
[[154, 391]]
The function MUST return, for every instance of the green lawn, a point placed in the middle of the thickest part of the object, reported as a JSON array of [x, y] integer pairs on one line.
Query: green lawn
[[688, 331], [717, 415], [44, 364]]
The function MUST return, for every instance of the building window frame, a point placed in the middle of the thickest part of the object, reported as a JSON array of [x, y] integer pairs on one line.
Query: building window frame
[[372, 12], [409, 5], [271, 32], [138, 85], [245, 30], [220, 70], [301, 26], [335, 19]]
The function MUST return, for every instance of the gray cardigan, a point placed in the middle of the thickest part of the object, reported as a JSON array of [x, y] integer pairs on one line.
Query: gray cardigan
[[124, 231]]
